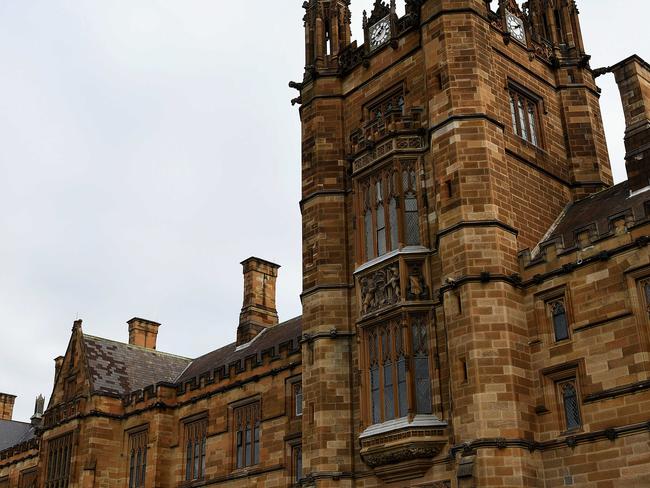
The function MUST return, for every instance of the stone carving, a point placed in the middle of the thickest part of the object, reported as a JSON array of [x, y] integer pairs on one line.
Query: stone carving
[[398, 454], [416, 287], [380, 289], [394, 145]]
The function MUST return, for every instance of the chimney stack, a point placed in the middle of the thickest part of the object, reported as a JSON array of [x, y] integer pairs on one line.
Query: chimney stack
[[7, 406], [143, 333], [258, 311], [633, 79]]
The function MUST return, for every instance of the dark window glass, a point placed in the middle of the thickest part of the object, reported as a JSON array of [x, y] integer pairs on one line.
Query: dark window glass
[[390, 210], [423, 398], [28, 479], [370, 249], [401, 387], [297, 399], [297, 463], [571, 407], [394, 229], [195, 433], [390, 375], [560, 323], [58, 464], [374, 377], [247, 432], [646, 289], [381, 230]]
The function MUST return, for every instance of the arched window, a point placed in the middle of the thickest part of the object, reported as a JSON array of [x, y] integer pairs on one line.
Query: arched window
[[381, 218], [560, 322], [195, 435], [571, 407], [411, 213]]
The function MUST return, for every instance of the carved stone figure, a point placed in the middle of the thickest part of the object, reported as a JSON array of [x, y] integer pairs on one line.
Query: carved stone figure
[[392, 289]]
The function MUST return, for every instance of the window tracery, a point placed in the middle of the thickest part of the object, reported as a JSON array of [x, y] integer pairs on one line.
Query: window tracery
[[390, 209], [390, 369]]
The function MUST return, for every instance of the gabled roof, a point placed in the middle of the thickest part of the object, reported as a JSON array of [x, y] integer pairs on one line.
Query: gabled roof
[[596, 212], [14, 433], [283, 333], [116, 368]]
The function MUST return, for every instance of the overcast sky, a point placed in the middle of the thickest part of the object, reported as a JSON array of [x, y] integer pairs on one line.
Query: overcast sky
[[149, 146]]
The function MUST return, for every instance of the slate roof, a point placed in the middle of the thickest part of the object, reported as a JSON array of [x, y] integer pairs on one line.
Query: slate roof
[[117, 368], [596, 211], [14, 433], [283, 333]]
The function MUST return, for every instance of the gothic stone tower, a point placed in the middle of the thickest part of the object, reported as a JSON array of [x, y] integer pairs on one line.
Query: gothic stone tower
[[432, 153]]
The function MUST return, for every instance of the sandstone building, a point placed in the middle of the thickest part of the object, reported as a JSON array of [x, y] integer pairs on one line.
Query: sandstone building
[[476, 299]]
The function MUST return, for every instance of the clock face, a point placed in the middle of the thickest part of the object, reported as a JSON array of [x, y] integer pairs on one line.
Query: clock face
[[379, 33], [516, 27]]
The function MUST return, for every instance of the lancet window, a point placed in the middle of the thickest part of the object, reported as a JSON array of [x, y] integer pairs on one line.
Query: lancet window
[[195, 448], [138, 458], [247, 435]]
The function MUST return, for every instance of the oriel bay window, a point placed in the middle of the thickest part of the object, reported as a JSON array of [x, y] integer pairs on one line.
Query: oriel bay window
[[399, 375], [390, 209], [195, 446]]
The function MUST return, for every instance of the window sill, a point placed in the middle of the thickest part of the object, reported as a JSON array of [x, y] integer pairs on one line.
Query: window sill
[[389, 255], [419, 421]]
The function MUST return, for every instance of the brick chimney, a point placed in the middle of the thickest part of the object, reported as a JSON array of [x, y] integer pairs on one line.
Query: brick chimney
[[6, 406], [143, 333], [633, 79], [258, 312]]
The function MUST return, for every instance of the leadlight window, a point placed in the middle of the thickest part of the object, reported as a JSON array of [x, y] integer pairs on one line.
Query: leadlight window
[[59, 455], [393, 104], [297, 399], [391, 210], [389, 371], [28, 479], [559, 318], [525, 116], [296, 462], [570, 404], [646, 292], [138, 458], [195, 447], [247, 435]]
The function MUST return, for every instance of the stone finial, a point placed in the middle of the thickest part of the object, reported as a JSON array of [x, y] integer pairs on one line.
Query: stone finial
[[39, 409]]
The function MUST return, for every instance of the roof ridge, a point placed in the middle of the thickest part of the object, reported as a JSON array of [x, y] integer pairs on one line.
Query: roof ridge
[[145, 349]]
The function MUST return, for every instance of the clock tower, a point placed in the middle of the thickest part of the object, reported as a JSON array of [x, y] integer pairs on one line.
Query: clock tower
[[432, 153]]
